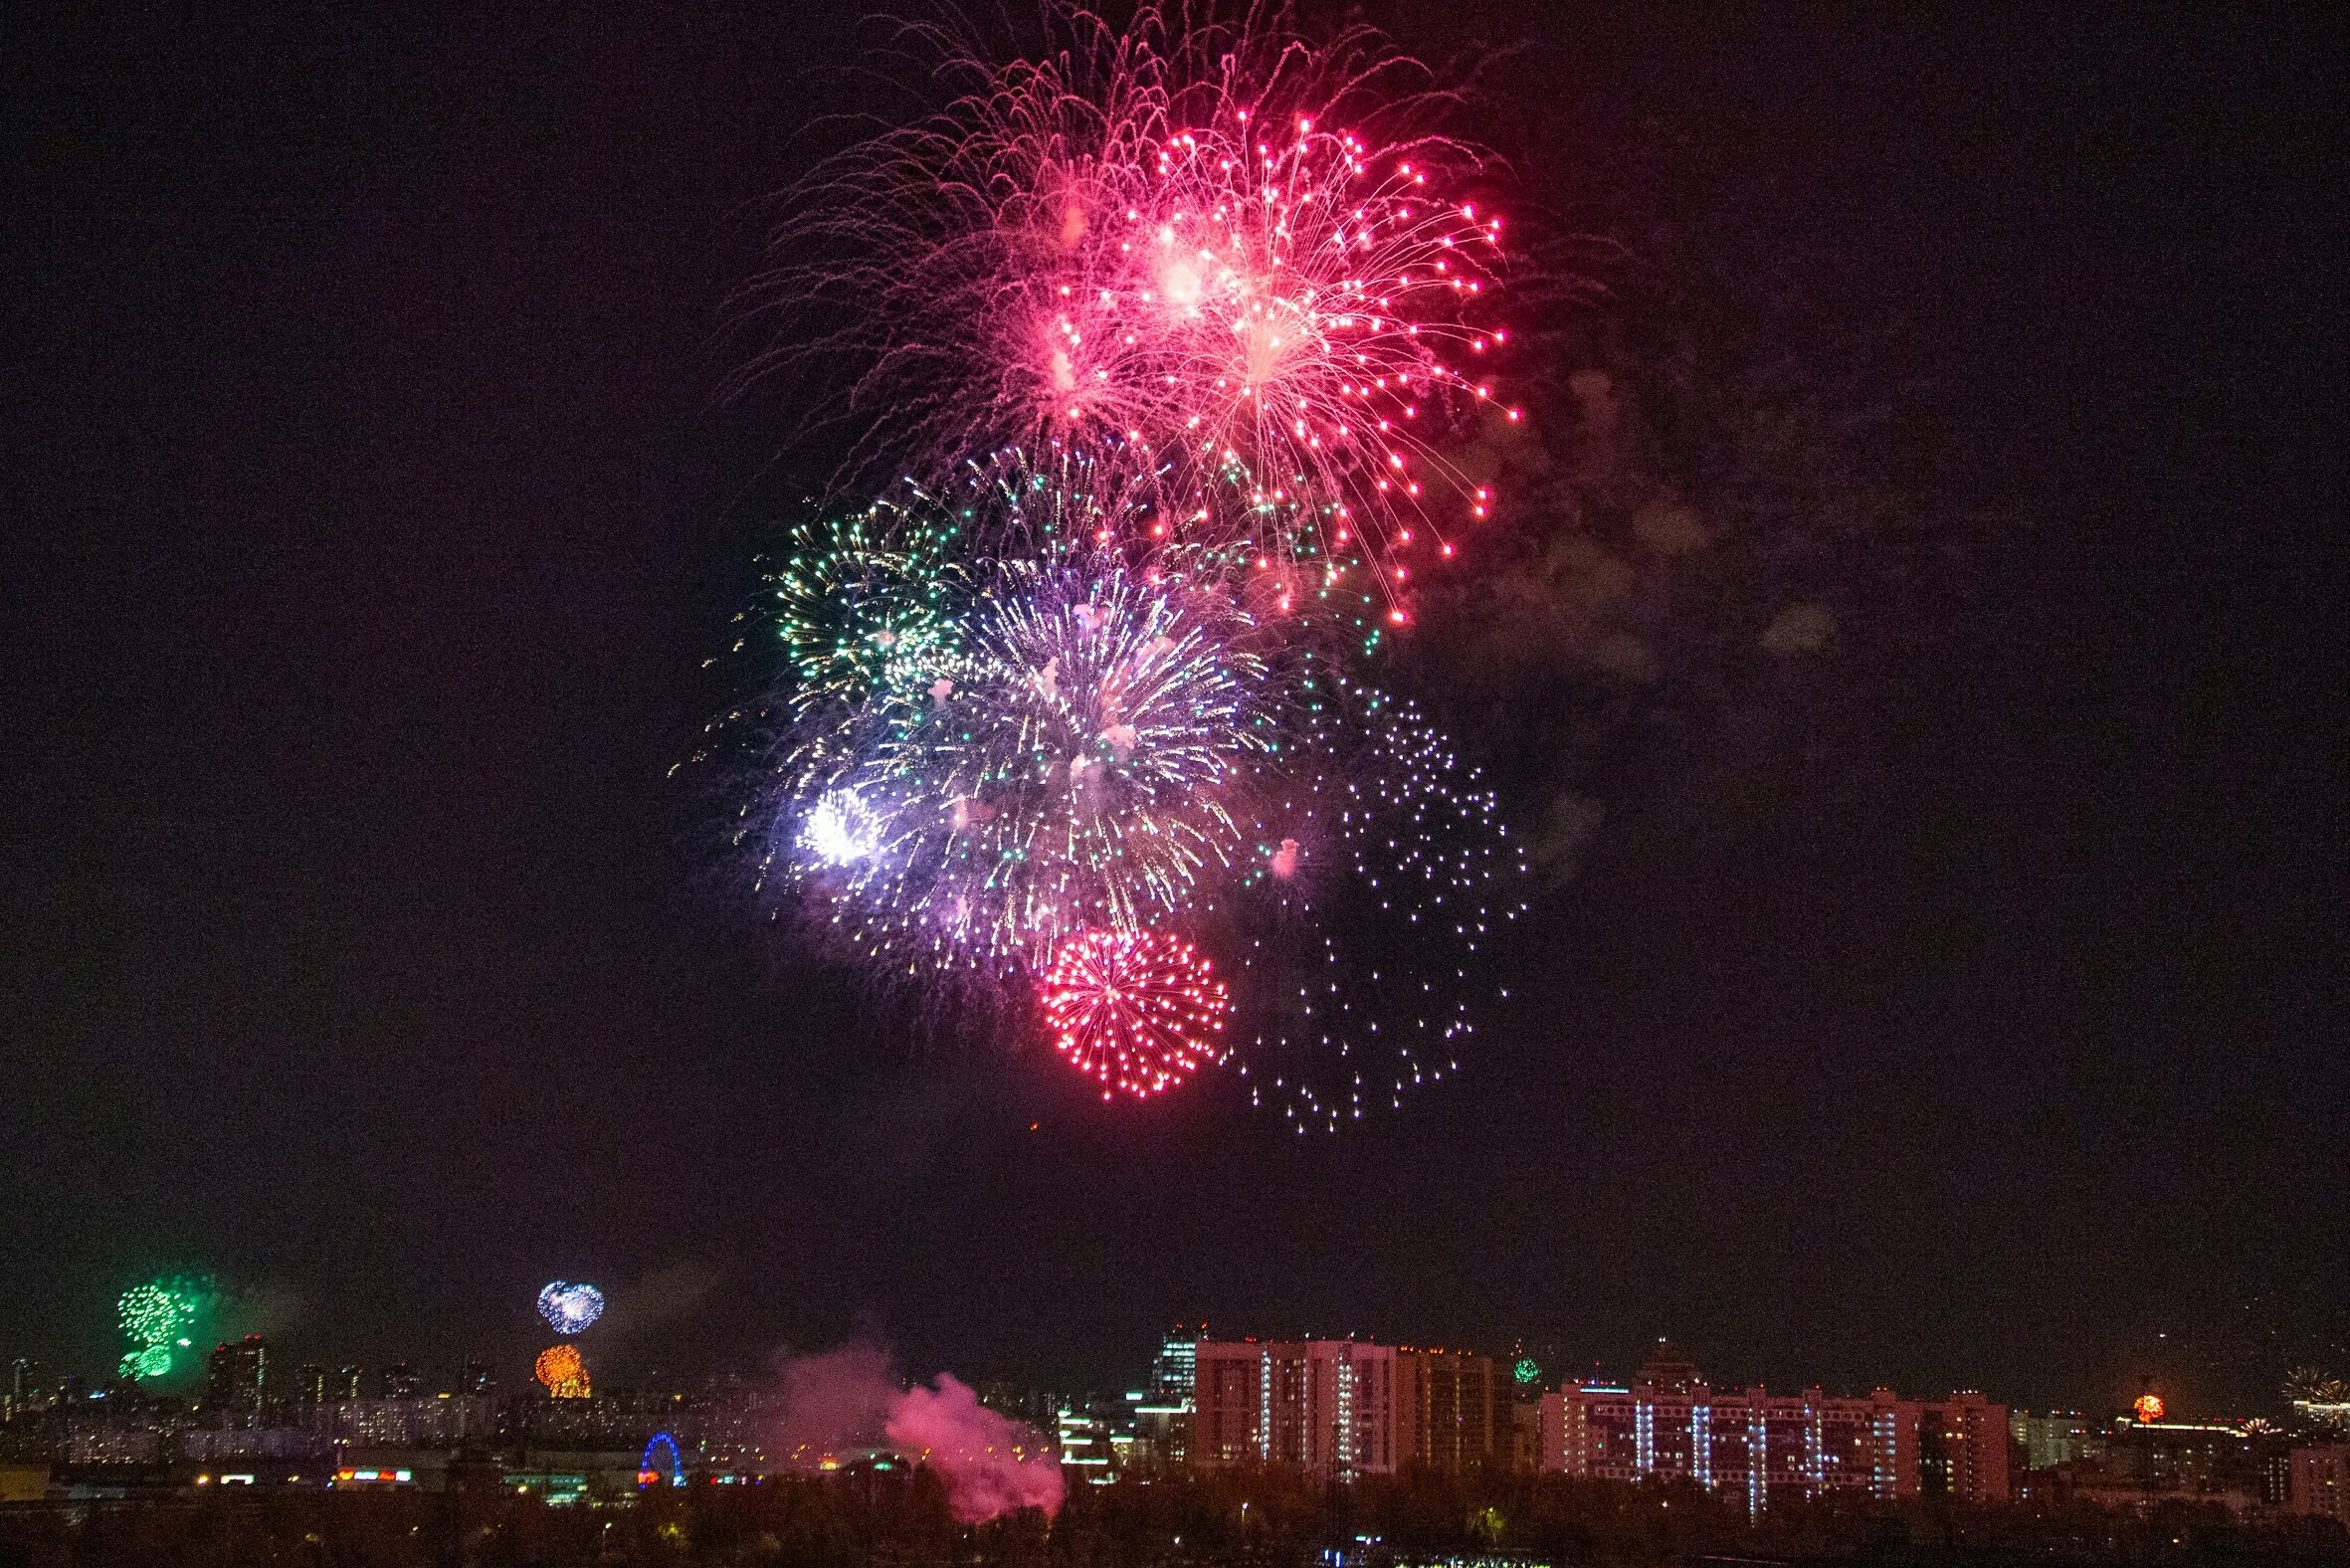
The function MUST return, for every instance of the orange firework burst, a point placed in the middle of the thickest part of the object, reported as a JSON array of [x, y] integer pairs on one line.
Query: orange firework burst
[[1135, 1010], [562, 1371]]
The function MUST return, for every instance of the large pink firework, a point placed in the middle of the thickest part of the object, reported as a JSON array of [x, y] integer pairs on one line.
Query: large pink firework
[[1220, 242]]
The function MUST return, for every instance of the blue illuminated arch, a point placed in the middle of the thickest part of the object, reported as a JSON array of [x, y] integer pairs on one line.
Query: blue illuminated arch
[[649, 1469]]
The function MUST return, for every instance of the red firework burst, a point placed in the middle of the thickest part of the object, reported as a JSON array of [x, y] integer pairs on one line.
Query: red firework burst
[[1136, 1011]]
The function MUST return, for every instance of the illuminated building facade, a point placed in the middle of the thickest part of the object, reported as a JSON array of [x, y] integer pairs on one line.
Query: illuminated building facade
[[2052, 1437], [2203, 1462], [1345, 1406], [1962, 1449], [1321, 1405], [1084, 1438], [235, 1379], [421, 1420], [22, 1391], [1174, 1371], [1164, 1414], [1454, 1406], [1525, 1435], [2317, 1482], [1763, 1449], [2323, 1412]]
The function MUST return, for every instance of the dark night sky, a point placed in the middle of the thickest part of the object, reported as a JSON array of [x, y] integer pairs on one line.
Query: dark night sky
[[371, 510]]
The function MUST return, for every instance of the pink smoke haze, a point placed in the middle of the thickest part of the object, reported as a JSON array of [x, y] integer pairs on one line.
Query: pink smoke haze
[[838, 1399], [848, 1399], [992, 1464]]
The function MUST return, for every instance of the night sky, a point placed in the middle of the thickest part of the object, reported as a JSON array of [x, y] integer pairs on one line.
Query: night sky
[[374, 506]]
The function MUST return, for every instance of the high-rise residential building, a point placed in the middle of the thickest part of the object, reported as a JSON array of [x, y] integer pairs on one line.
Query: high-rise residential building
[[1347, 1407], [234, 1380], [24, 1388], [1453, 1410], [2214, 1461], [1322, 1405], [310, 1384], [1762, 1448], [2052, 1437], [2325, 1406], [2318, 1482], [344, 1385], [1174, 1371], [1962, 1448], [1165, 1412], [477, 1380], [1526, 1435], [401, 1381]]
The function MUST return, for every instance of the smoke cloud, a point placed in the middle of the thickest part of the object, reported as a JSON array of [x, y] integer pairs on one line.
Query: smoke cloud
[[991, 1464], [658, 1298], [839, 1401]]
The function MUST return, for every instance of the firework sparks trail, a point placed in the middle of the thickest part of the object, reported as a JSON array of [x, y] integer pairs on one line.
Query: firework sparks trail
[[1386, 877], [1222, 241], [865, 603]]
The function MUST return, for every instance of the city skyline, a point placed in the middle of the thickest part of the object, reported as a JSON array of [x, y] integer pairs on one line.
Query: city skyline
[[305, 1376], [1346, 1411]]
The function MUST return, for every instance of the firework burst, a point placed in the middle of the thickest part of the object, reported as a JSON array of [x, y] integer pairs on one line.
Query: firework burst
[[1228, 244], [865, 606], [1163, 327], [1383, 875], [1079, 769], [1136, 1011]]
